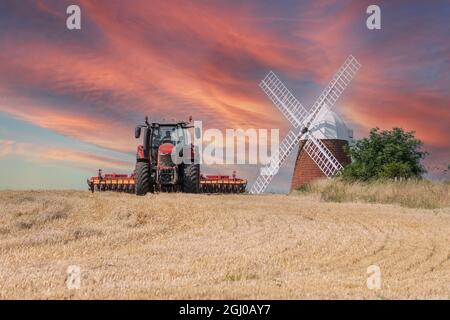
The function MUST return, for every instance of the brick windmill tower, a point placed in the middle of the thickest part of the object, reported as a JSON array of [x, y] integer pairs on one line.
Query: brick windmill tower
[[332, 131]]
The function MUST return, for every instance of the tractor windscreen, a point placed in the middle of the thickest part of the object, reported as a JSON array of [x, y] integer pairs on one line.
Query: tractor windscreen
[[168, 134]]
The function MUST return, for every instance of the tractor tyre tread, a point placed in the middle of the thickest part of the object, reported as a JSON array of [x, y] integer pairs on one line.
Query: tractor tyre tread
[[191, 178], [142, 174]]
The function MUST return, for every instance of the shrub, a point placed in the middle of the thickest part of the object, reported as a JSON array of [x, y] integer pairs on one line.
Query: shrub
[[385, 155]]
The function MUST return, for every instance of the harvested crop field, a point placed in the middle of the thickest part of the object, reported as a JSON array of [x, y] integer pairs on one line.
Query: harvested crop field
[[219, 246]]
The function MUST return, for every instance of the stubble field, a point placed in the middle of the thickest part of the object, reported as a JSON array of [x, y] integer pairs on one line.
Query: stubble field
[[179, 246]]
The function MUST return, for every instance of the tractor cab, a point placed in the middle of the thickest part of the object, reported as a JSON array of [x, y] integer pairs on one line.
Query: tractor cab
[[157, 133], [168, 133]]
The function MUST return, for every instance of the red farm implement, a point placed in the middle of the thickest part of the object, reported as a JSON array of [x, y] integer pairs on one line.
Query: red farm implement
[[126, 183], [222, 184], [111, 182]]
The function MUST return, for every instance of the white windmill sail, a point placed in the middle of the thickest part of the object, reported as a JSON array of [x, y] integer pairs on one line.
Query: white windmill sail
[[284, 100], [334, 89], [299, 117], [277, 159], [321, 156]]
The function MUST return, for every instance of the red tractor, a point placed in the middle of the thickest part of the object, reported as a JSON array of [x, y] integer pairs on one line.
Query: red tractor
[[166, 160]]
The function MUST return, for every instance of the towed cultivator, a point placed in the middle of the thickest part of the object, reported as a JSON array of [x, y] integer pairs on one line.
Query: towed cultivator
[[112, 182], [222, 184], [126, 183]]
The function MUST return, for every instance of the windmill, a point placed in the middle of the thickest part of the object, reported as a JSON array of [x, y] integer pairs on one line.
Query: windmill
[[301, 120]]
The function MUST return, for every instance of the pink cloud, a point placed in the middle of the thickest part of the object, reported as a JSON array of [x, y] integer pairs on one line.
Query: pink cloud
[[46, 155]]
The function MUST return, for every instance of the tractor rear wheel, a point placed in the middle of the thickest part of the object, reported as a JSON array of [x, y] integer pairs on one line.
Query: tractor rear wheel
[[142, 176], [191, 178]]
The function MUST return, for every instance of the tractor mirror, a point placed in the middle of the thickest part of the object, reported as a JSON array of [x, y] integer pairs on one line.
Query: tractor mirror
[[137, 132], [197, 133]]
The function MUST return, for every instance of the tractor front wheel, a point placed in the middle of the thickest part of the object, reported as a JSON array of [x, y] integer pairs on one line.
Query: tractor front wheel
[[191, 178], [142, 176]]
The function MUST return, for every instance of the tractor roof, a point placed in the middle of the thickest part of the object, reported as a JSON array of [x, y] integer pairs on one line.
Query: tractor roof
[[169, 123]]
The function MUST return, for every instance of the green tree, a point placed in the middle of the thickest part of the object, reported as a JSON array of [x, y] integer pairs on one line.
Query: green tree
[[385, 154]]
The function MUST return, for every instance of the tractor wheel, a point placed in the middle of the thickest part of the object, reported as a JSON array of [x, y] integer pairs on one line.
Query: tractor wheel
[[142, 174], [191, 178]]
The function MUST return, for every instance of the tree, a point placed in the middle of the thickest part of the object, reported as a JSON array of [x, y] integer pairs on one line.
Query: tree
[[385, 154]]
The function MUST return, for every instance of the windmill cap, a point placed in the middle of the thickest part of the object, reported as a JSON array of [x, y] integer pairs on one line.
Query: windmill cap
[[329, 125]]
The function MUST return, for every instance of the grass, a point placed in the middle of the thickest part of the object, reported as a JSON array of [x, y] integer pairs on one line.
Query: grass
[[411, 194], [184, 246]]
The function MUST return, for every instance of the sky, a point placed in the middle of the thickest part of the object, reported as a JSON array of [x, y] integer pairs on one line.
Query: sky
[[70, 99]]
